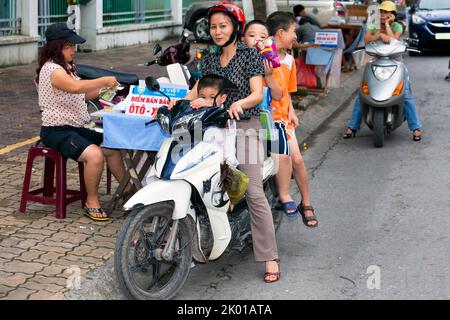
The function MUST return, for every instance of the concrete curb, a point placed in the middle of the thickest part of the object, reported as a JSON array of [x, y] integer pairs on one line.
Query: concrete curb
[[318, 113]]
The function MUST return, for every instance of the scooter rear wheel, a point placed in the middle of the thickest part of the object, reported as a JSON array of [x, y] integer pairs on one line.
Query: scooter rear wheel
[[378, 128]]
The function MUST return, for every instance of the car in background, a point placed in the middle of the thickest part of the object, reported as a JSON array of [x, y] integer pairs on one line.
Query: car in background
[[196, 20], [429, 25]]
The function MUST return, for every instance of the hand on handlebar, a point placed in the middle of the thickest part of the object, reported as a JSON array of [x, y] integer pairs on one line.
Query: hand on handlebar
[[172, 102], [235, 111], [199, 103]]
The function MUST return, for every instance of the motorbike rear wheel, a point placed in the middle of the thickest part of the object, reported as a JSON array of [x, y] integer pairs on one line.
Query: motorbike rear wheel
[[140, 271], [378, 128]]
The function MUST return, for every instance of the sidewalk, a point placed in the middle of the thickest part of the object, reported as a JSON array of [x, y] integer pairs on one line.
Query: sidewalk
[[42, 257]]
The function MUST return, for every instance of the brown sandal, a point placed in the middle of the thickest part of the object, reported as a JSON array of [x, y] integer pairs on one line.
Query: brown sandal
[[276, 274], [302, 209]]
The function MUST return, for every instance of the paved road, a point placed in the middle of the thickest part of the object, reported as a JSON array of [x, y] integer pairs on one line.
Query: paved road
[[384, 217]]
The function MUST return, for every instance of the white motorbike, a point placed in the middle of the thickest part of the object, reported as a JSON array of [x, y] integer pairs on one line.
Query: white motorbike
[[183, 213]]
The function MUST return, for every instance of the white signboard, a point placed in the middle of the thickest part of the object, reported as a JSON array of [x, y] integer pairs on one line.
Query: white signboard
[[327, 39], [144, 102]]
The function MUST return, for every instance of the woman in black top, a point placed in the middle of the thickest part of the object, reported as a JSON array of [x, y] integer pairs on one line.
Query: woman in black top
[[244, 67]]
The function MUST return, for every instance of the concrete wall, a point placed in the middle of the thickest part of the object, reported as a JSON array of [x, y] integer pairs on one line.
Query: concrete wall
[[102, 38], [22, 49], [16, 50]]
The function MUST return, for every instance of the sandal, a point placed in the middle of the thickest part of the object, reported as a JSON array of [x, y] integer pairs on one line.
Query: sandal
[[88, 213], [290, 209], [302, 209], [417, 137], [276, 274], [447, 77], [350, 133]]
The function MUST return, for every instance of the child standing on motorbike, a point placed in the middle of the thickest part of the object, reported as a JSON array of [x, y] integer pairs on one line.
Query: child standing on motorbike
[[390, 29], [243, 66], [281, 26]]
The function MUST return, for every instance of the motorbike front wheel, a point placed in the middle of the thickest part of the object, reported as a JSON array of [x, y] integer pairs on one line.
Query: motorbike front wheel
[[141, 272], [378, 128]]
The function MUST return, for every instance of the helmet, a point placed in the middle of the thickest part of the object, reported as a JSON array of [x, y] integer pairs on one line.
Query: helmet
[[388, 6], [236, 15]]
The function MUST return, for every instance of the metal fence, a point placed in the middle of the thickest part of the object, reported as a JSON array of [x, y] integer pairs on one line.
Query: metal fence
[[9, 22], [119, 12], [49, 12]]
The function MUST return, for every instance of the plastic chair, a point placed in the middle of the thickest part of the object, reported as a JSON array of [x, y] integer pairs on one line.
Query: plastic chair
[[52, 193]]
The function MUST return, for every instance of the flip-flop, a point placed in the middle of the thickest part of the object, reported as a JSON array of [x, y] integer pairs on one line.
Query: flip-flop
[[88, 214], [290, 206]]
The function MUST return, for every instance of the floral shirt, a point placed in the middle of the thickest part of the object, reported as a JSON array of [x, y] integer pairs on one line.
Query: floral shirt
[[246, 63]]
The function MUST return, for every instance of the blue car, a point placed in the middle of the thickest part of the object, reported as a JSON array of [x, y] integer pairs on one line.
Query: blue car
[[429, 25]]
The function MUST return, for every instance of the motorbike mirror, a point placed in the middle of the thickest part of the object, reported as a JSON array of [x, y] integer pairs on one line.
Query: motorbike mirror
[[156, 49], [152, 84]]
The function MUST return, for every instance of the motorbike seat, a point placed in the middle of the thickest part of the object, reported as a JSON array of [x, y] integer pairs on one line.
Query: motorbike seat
[[90, 72]]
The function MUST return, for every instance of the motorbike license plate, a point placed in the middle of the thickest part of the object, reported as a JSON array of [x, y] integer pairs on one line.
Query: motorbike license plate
[[442, 36]]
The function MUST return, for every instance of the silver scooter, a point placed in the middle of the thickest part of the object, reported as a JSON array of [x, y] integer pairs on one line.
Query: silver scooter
[[382, 91]]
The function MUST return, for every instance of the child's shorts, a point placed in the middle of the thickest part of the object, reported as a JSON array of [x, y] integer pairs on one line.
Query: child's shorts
[[285, 134]]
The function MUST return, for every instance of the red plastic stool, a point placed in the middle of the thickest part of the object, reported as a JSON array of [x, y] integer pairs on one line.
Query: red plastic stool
[[64, 196]]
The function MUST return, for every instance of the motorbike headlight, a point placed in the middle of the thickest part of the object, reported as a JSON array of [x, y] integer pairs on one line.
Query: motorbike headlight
[[184, 122], [383, 73], [417, 19], [164, 122]]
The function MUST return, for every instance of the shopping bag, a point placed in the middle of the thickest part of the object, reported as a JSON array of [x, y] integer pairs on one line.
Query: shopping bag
[[230, 143], [234, 182], [306, 76], [268, 125]]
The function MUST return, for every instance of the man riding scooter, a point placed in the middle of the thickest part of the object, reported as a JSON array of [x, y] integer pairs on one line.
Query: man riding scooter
[[389, 30]]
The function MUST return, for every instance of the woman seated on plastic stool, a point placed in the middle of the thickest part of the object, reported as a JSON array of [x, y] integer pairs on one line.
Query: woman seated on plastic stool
[[389, 30], [62, 100]]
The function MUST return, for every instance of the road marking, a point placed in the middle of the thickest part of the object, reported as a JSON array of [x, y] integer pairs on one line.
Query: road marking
[[15, 146]]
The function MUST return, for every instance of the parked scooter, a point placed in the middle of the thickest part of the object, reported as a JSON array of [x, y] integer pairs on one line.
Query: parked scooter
[[177, 59], [382, 91], [182, 214]]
